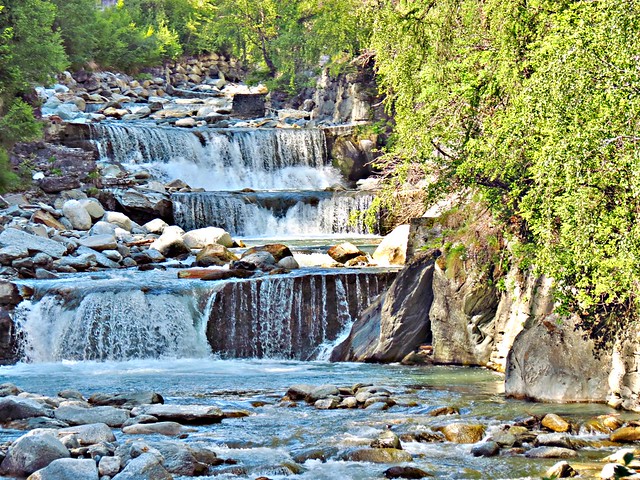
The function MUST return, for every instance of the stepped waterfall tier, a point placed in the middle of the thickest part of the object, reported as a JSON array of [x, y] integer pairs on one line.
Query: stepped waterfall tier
[[278, 213], [222, 159], [155, 316]]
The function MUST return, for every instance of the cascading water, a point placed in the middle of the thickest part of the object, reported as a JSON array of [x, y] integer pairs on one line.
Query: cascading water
[[279, 214], [285, 170], [215, 159], [155, 315]]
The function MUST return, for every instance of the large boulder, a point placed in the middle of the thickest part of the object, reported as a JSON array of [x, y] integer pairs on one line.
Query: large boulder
[[145, 467], [344, 252], [89, 434], [32, 243], [202, 237], [552, 361], [68, 469], [398, 321], [77, 215], [144, 205], [214, 254], [15, 408], [118, 219], [462, 314], [75, 415], [393, 248], [170, 243], [32, 452], [278, 250], [186, 414]]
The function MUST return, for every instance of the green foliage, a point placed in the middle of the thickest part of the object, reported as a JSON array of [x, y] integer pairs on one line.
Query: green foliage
[[18, 124], [76, 21], [536, 104], [8, 179], [30, 50]]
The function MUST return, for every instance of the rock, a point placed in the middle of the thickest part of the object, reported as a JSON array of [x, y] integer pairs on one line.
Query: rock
[[32, 452], [561, 470], [77, 215], [393, 248], [212, 275], [555, 423], [349, 402], [313, 453], [463, 432], [625, 434], [10, 254], [437, 412], [300, 391], [80, 262], [261, 260], [188, 460], [202, 237], [118, 219], [387, 439], [398, 321], [185, 414], [159, 428], [144, 205], [13, 408], [99, 242], [170, 243], [90, 434], [109, 466], [32, 243], [126, 399], [67, 469], [93, 208], [156, 226], [186, 122], [288, 263], [550, 452], [554, 440], [327, 404], [614, 471], [344, 252], [278, 250], [406, 472], [9, 389], [58, 184], [550, 360], [214, 255], [322, 391], [485, 449], [9, 294], [114, 417], [248, 105], [45, 218], [145, 467], [377, 455]]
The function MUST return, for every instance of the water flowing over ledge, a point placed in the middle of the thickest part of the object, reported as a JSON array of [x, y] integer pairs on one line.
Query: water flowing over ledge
[[153, 315], [222, 159], [275, 213]]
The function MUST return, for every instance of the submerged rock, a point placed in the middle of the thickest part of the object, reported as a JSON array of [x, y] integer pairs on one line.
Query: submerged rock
[[406, 472], [377, 455], [171, 429], [463, 432]]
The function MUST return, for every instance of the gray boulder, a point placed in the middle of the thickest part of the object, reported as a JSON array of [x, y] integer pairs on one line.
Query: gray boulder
[[14, 408], [68, 469], [145, 467], [114, 417], [90, 434], [99, 242], [77, 215], [32, 452], [31, 243], [186, 414], [202, 237]]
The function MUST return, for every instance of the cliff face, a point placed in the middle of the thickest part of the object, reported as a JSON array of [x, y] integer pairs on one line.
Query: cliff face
[[467, 320]]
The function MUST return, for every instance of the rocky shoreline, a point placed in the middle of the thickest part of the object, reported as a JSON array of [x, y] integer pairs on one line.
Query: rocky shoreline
[[70, 436]]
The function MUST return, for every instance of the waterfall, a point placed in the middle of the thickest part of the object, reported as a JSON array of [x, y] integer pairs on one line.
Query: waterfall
[[221, 159], [256, 214], [111, 325], [158, 316], [289, 317]]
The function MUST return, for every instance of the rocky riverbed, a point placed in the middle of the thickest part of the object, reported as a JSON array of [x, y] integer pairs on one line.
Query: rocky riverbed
[[444, 427]]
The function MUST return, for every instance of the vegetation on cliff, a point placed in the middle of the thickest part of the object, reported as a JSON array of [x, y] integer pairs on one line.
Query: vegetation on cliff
[[537, 105]]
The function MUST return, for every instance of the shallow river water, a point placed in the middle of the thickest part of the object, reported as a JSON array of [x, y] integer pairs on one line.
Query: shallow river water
[[272, 434]]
